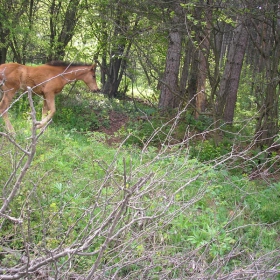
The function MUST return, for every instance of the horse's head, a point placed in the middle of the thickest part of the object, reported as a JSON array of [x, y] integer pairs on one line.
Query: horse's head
[[90, 79]]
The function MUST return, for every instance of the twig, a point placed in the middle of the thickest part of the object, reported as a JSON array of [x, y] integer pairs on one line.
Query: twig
[[30, 155]]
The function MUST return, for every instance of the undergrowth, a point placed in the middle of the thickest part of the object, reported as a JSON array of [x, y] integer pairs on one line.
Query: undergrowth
[[212, 214]]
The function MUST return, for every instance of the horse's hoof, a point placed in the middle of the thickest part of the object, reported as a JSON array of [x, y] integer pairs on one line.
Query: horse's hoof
[[39, 125], [11, 131]]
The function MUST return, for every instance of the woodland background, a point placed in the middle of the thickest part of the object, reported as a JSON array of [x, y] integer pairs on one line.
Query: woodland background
[[173, 171]]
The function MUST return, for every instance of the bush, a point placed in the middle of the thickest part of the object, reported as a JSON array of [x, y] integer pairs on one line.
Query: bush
[[76, 114]]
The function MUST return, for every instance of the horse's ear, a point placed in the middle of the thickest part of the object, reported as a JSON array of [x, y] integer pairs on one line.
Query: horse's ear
[[93, 67]]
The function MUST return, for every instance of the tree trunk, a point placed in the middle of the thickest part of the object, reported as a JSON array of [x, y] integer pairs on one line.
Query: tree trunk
[[227, 95], [3, 54], [169, 96], [185, 68], [267, 126], [201, 86], [120, 50], [116, 56], [3, 43], [60, 39], [5, 22], [193, 78], [203, 63]]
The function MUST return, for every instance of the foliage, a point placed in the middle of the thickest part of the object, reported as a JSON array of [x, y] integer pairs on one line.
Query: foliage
[[77, 114], [208, 150], [171, 197]]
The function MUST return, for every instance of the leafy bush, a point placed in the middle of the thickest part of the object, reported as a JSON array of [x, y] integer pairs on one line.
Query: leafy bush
[[143, 131], [201, 124], [208, 150], [264, 204], [74, 114]]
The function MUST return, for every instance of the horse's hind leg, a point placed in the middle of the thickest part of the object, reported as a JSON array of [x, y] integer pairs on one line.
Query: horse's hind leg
[[4, 104], [9, 126], [48, 109], [45, 109]]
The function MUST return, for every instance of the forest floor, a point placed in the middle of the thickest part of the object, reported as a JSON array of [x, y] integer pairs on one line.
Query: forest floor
[[117, 120]]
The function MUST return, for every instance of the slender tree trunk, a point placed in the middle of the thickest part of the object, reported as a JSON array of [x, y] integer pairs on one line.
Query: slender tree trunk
[[268, 46], [67, 31], [119, 53], [193, 78], [4, 31], [201, 86], [169, 96], [267, 126], [60, 39], [203, 63], [185, 68], [3, 55], [113, 79], [227, 95], [3, 43]]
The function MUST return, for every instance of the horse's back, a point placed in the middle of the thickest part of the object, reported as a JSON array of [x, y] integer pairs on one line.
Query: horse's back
[[9, 67], [21, 76]]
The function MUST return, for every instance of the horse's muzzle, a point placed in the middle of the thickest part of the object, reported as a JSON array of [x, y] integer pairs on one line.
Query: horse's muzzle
[[95, 90]]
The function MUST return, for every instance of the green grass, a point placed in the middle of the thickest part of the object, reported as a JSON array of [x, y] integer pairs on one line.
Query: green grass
[[76, 180]]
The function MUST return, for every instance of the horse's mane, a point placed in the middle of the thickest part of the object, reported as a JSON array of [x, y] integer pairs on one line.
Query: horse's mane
[[66, 64]]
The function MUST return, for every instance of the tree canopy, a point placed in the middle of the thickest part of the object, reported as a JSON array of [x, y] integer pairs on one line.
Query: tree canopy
[[191, 52], [188, 52]]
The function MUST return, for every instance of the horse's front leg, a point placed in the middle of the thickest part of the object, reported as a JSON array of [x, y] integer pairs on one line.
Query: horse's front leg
[[48, 110], [4, 104]]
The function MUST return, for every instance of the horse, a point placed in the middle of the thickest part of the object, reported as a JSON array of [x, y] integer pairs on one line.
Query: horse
[[46, 80]]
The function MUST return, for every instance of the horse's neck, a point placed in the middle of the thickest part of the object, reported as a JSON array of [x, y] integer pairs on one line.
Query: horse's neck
[[73, 73]]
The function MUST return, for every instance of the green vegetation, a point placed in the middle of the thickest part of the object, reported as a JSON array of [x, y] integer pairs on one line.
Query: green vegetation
[[186, 206], [173, 171]]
